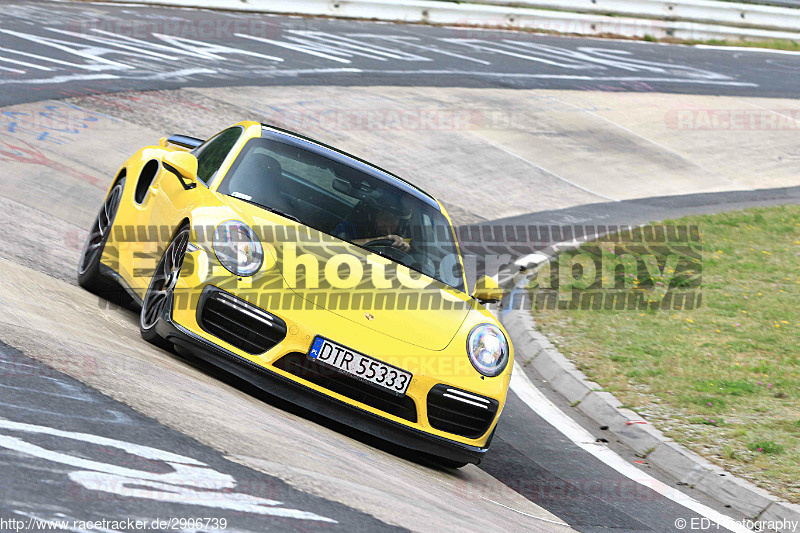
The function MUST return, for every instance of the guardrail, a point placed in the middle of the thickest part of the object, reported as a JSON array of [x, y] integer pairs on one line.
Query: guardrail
[[703, 11], [781, 3], [502, 16]]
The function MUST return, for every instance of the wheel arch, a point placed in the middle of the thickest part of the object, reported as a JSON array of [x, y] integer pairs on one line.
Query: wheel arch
[[123, 173], [184, 221]]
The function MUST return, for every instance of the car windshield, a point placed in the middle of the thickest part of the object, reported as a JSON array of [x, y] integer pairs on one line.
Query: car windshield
[[349, 200]]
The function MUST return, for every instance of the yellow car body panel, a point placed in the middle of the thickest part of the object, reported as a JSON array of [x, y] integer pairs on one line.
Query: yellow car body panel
[[430, 344]]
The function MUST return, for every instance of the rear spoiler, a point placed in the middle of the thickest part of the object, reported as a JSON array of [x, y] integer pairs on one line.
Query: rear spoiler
[[184, 141]]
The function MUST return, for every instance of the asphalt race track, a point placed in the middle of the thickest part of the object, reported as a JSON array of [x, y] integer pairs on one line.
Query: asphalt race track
[[36, 399], [96, 424], [111, 48]]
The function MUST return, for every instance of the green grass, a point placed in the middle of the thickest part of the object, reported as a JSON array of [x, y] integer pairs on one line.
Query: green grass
[[766, 447], [723, 379], [773, 44]]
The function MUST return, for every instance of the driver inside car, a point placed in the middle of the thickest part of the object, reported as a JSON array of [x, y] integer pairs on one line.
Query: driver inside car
[[379, 222]]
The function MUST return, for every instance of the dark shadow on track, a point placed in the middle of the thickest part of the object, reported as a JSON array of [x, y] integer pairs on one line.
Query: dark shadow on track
[[656, 208]]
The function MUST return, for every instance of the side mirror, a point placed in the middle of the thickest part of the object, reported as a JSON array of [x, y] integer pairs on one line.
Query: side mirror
[[487, 290], [184, 166]]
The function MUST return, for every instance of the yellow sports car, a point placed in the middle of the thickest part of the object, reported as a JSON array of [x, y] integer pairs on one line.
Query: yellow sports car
[[317, 276]]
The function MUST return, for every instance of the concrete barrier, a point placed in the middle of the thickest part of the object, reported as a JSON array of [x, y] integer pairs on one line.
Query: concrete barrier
[[502, 16]]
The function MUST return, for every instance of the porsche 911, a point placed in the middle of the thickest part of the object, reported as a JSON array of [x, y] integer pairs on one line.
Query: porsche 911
[[315, 275]]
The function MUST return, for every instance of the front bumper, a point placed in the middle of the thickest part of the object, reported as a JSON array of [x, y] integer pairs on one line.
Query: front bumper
[[316, 401]]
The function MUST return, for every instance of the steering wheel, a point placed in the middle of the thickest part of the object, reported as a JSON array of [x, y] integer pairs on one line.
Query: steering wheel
[[390, 250]]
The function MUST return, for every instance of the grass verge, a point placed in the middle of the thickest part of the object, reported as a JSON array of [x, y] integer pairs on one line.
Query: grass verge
[[722, 379], [772, 44]]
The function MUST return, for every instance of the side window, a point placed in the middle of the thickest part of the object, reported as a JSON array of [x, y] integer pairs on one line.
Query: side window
[[211, 154]]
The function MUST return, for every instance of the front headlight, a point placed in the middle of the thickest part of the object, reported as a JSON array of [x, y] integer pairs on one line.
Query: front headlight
[[237, 248], [487, 349]]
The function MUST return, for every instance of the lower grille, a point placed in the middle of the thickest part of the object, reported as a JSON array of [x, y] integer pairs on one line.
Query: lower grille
[[300, 365], [238, 322], [460, 412]]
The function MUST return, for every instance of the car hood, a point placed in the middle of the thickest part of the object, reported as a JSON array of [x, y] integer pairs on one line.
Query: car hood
[[416, 309]]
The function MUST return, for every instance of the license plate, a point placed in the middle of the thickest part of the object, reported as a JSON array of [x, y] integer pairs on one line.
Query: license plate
[[365, 368]]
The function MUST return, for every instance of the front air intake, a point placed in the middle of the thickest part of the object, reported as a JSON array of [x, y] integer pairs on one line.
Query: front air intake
[[238, 322], [460, 412]]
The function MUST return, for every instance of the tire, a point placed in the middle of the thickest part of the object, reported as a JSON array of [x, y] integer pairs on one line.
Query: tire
[[162, 286], [89, 276]]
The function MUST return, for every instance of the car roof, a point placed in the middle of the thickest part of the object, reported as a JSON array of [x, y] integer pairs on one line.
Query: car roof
[[314, 146]]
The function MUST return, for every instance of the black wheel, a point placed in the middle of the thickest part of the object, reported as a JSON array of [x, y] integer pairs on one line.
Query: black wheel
[[89, 276], [162, 286]]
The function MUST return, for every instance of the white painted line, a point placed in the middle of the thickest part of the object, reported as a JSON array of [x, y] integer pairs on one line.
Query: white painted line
[[353, 46], [528, 514], [114, 39], [562, 77], [654, 143], [178, 74], [297, 47], [537, 258], [631, 132], [63, 79], [523, 513], [552, 59], [301, 71], [548, 172], [404, 40], [14, 70], [530, 260], [208, 50], [96, 61], [44, 393], [24, 64], [752, 49], [105, 40], [789, 117], [541, 405], [43, 58], [189, 481], [16, 363]]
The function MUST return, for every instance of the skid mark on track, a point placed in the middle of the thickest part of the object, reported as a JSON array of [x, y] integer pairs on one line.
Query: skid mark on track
[[22, 152]]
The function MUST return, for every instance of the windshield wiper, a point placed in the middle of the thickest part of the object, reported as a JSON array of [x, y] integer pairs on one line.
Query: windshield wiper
[[281, 213], [269, 208]]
